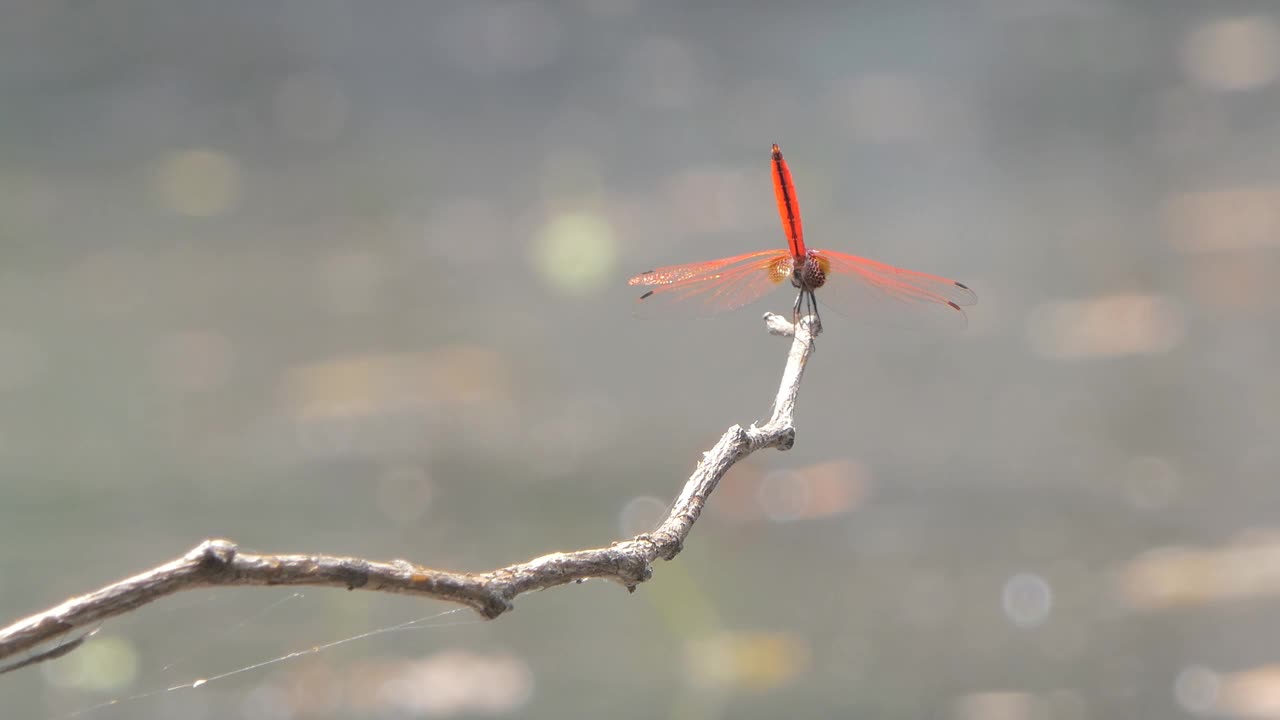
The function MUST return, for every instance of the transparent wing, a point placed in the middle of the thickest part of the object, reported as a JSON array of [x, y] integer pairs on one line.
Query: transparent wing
[[859, 287], [715, 285]]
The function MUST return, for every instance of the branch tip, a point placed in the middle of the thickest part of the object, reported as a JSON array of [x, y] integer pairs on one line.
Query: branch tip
[[778, 325], [788, 439]]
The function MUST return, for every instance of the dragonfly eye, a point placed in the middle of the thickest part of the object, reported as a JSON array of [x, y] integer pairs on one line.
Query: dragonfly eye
[[811, 275]]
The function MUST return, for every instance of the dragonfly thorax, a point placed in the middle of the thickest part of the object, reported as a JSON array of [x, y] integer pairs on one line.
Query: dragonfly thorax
[[809, 273]]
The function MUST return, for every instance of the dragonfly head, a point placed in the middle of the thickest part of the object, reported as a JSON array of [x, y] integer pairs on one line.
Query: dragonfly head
[[809, 273]]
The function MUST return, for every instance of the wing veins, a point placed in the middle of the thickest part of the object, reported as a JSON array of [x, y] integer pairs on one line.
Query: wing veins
[[720, 285], [673, 275], [902, 283]]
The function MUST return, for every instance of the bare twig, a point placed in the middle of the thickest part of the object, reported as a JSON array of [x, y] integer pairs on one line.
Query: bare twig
[[220, 562]]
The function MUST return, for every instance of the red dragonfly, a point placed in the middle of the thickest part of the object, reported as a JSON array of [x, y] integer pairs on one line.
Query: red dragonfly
[[847, 281]]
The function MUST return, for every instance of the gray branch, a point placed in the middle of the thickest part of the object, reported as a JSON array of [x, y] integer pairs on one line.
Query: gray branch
[[221, 563]]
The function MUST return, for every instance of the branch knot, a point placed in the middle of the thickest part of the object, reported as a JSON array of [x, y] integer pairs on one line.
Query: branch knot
[[214, 554]]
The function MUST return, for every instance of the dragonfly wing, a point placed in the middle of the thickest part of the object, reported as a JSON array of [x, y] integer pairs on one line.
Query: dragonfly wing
[[857, 286], [713, 286]]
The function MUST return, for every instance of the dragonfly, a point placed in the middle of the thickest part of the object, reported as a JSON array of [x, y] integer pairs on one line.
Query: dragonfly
[[848, 282]]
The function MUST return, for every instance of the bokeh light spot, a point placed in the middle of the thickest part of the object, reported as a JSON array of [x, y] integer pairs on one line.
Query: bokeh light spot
[[1027, 600], [199, 183], [1223, 219], [1233, 54], [576, 252], [1000, 705], [783, 495], [451, 683], [1196, 689], [640, 515], [746, 660], [103, 664], [1130, 324]]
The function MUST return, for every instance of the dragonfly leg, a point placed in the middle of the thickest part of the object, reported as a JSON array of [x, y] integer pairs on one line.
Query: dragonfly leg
[[807, 301], [813, 310]]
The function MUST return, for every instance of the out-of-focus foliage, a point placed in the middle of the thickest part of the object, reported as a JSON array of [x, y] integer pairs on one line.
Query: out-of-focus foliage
[[350, 277]]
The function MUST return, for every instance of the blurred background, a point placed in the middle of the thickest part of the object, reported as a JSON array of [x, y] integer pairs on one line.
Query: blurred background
[[337, 277]]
